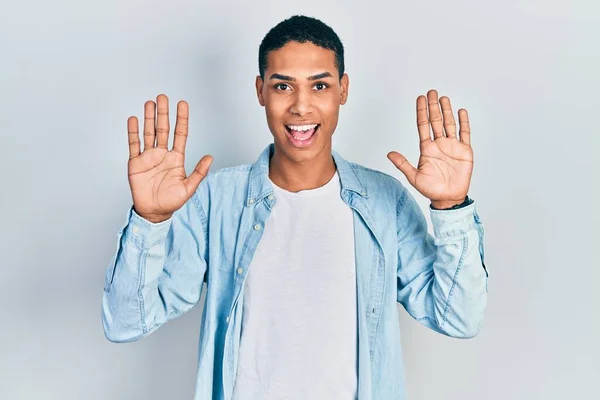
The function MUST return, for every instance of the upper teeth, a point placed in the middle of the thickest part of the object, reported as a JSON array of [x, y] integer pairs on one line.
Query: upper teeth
[[301, 127]]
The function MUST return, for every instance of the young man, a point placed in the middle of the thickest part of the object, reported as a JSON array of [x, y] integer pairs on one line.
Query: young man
[[305, 254]]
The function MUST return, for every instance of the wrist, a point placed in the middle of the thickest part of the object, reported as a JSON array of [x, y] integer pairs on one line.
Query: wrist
[[154, 218], [449, 204]]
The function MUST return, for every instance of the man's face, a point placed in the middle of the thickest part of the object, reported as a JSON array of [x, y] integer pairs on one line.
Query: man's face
[[302, 94]]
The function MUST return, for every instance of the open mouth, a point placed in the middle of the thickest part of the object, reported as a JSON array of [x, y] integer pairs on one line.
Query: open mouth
[[302, 135]]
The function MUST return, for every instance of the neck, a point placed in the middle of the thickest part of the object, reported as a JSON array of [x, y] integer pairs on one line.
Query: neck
[[295, 176]]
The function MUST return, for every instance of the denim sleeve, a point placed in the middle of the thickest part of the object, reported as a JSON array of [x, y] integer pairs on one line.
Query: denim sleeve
[[156, 273], [442, 280]]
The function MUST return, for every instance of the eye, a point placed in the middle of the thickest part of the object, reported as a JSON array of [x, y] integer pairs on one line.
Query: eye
[[281, 86], [321, 86]]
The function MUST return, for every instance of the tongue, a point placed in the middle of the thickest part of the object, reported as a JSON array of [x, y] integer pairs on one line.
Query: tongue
[[302, 135]]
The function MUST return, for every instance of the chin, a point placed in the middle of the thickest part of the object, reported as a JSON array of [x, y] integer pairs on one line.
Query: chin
[[301, 153]]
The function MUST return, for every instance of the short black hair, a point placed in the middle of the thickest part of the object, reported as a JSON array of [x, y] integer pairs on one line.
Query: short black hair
[[302, 29]]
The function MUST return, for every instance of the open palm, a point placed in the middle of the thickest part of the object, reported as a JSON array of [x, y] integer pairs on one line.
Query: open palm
[[445, 166], [157, 177]]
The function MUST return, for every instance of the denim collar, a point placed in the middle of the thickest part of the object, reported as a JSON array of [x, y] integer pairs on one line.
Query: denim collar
[[260, 187]]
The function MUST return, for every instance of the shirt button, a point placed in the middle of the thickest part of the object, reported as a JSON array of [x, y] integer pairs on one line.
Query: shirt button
[[251, 201], [257, 227], [271, 197], [239, 271], [227, 319], [135, 229]]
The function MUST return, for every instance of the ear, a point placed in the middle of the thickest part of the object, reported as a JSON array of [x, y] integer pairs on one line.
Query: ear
[[259, 87], [344, 83]]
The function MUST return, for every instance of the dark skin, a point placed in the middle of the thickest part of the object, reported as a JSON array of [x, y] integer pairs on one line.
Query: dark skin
[[301, 87], [446, 162], [290, 96]]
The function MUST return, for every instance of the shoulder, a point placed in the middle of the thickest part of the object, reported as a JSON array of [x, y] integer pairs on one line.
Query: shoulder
[[224, 182], [230, 171], [228, 175], [376, 180], [388, 195]]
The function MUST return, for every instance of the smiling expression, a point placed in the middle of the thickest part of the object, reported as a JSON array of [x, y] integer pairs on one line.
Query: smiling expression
[[302, 94]]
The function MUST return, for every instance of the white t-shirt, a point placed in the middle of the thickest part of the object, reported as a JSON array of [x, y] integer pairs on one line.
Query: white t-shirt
[[299, 322]]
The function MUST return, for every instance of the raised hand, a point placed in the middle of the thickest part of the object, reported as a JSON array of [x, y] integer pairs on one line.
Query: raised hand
[[157, 177], [446, 162]]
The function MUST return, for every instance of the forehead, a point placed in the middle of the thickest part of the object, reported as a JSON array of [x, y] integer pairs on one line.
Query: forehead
[[301, 60]]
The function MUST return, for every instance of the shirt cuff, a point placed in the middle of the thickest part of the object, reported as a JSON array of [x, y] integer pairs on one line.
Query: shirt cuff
[[455, 222], [143, 232]]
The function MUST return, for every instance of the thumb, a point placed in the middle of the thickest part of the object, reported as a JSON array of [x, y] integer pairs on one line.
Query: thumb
[[404, 166], [198, 174]]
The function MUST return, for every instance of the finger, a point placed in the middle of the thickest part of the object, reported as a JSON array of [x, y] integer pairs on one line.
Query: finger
[[199, 173], [435, 115], [134, 137], [449, 122], [149, 110], [162, 121], [422, 121], [404, 166], [465, 126], [181, 127]]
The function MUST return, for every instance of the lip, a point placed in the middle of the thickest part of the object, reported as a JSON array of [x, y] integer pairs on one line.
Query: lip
[[302, 143], [302, 123]]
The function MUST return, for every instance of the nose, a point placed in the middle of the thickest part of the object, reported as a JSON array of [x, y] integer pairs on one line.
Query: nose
[[301, 104]]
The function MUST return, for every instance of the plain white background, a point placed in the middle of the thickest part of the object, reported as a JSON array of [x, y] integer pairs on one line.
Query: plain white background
[[72, 72]]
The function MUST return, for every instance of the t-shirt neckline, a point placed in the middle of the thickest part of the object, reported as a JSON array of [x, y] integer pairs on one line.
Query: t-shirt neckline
[[309, 192]]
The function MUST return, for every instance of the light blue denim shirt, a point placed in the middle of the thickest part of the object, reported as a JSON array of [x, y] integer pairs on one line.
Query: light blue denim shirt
[[158, 271]]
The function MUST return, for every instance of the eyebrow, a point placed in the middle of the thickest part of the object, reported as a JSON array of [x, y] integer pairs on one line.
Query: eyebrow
[[292, 79]]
